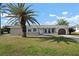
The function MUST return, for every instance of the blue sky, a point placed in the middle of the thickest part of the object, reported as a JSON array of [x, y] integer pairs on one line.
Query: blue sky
[[49, 13]]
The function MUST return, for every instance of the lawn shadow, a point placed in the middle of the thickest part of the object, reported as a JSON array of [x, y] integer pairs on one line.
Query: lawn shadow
[[59, 39]]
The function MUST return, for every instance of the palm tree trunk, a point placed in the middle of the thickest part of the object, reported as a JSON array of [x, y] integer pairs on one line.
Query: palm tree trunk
[[23, 26]]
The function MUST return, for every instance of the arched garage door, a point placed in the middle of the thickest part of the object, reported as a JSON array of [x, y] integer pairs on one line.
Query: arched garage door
[[62, 31]]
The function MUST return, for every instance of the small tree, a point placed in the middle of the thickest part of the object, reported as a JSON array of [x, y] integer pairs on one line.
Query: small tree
[[71, 30], [62, 22]]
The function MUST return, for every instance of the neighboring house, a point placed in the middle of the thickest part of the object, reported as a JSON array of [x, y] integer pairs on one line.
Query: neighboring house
[[41, 30], [77, 28]]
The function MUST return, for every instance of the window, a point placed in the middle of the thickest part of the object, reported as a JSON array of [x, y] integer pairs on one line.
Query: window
[[53, 30], [34, 29], [49, 31], [29, 30], [45, 30]]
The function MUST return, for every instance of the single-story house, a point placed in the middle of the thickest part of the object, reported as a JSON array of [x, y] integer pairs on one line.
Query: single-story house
[[41, 30]]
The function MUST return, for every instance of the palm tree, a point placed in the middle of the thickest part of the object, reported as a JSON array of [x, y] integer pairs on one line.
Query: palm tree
[[62, 22], [22, 13]]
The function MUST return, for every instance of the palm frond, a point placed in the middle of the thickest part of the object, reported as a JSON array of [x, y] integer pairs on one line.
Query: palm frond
[[28, 22], [12, 23], [27, 8], [10, 20], [11, 16], [12, 8], [22, 12], [35, 20]]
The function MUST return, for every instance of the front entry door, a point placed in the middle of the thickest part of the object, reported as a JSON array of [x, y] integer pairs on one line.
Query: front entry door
[[62, 32]]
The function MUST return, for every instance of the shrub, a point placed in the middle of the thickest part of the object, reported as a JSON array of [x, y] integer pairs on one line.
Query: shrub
[[71, 30]]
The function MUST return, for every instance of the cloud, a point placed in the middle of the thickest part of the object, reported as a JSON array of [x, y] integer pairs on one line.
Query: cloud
[[52, 15], [60, 17], [65, 13], [50, 22], [73, 20]]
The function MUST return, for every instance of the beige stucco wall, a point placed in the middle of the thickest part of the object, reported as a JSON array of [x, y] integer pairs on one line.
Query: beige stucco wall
[[66, 29], [16, 30]]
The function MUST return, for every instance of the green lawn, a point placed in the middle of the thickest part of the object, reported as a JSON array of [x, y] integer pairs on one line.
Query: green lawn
[[54, 45]]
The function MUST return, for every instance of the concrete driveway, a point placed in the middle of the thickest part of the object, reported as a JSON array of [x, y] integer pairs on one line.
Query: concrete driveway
[[71, 36]]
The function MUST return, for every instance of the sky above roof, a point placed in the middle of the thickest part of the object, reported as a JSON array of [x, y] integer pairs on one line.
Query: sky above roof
[[49, 13]]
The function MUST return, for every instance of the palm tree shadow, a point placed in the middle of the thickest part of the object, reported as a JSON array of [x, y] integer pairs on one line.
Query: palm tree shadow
[[59, 39]]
